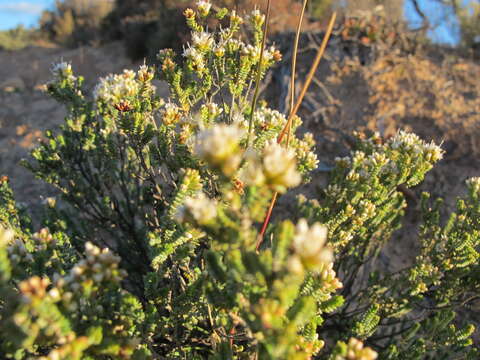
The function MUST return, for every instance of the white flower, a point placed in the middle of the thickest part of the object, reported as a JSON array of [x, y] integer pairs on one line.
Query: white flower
[[203, 7], [280, 165], [412, 143], [115, 88], [200, 209], [145, 73], [203, 41], [219, 146], [212, 109], [309, 244], [474, 184], [195, 57], [62, 70], [276, 167], [433, 153], [6, 236], [257, 18]]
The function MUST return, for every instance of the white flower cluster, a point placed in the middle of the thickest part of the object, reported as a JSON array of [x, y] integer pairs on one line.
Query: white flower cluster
[[257, 18], [330, 282], [145, 73], [203, 7], [220, 147], [344, 162], [412, 143], [309, 245], [98, 268], [356, 351], [115, 88], [62, 71], [171, 114], [253, 52], [212, 110], [304, 153], [474, 184], [276, 167], [18, 252], [195, 57], [202, 41], [268, 118], [199, 209]]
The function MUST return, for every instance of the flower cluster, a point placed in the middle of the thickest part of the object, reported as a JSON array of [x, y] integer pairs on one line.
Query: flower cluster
[[410, 142], [275, 167], [356, 351], [115, 88], [307, 158], [474, 184], [219, 146], [203, 7], [34, 287], [309, 246], [98, 269], [62, 71], [199, 210], [171, 114], [120, 88], [17, 252]]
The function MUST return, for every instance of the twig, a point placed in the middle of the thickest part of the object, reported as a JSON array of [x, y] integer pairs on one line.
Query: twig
[[294, 109], [259, 75]]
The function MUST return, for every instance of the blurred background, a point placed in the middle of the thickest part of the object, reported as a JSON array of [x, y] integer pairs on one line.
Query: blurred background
[[79, 22]]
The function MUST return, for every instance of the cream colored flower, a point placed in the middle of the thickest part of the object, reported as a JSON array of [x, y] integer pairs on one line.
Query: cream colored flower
[[203, 41], [219, 146], [203, 7], [115, 88], [309, 244], [257, 18], [199, 209], [275, 167], [356, 351], [474, 184], [280, 167]]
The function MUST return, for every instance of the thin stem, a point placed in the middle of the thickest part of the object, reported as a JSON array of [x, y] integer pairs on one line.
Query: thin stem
[[265, 222], [292, 104], [310, 76], [259, 75], [294, 109], [294, 66]]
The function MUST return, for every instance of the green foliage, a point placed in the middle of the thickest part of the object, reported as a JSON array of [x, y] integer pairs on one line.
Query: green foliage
[[75, 22], [152, 252], [16, 39]]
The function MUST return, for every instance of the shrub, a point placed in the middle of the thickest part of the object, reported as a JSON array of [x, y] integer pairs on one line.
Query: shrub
[[75, 22], [16, 39], [153, 255], [148, 25]]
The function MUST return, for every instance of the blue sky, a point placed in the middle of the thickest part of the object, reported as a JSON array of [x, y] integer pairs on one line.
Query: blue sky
[[27, 12]]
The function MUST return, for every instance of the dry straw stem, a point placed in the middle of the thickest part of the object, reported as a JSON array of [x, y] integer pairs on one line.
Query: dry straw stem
[[259, 74], [294, 109], [292, 105]]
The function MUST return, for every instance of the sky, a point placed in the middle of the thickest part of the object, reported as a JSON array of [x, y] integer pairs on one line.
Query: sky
[[27, 12]]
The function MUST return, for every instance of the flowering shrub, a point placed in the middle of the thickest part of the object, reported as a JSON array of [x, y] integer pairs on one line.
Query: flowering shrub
[[153, 253]]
